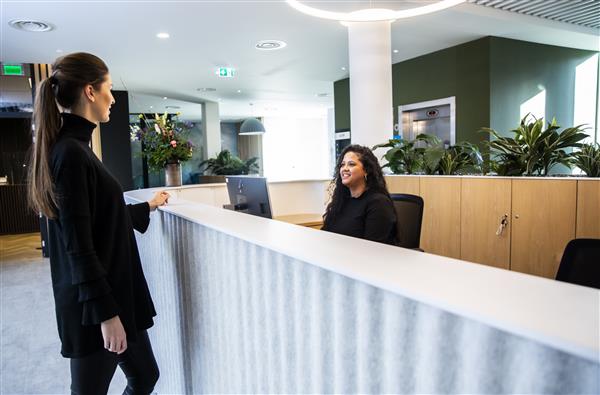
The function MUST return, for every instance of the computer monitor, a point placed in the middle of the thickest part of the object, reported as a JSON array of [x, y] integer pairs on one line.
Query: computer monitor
[[249, 194]]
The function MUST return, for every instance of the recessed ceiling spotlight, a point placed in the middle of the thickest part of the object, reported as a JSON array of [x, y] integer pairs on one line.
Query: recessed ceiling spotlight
[[343, 68], [270, 45], [29, 25], [165, 98], [163, 35], [395, 51], [151, 107], [173, 107], [206, 89], [239, 91]]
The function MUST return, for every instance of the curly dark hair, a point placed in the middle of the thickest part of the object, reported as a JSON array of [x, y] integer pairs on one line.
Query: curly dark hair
[[340, 193]]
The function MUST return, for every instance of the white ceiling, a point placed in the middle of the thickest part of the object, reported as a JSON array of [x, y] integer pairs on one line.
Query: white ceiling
[[208, 34]]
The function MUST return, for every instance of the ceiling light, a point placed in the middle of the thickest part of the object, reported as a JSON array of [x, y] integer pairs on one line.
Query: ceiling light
[[165, 98], [206, 89], [270, 45], [395, 51], [373, 14], [324, 94], [251, 126], [29, 25], [239, 91], [163, 35], [59, 51], [343, 69]]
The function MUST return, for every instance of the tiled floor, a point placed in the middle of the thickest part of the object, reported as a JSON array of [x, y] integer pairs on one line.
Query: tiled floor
[[29, 347]]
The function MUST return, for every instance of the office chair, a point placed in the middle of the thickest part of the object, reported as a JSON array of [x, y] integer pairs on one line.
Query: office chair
[[409, 212], [580, 263]]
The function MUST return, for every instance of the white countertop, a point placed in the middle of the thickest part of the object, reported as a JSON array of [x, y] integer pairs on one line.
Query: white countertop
[[561, 315]]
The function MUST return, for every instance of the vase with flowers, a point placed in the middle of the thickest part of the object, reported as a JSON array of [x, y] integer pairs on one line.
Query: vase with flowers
[[164, 144]]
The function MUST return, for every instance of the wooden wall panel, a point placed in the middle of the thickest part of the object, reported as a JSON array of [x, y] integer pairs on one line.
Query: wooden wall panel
[[483, 204], [543, 213], [588, 209], [440, 233], [403, 184]]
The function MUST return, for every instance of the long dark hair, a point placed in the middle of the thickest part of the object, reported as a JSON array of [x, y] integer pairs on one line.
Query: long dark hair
[[340, 193], [70, 74]]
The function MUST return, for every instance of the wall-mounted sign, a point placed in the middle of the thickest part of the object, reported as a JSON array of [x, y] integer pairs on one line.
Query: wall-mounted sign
[[12, 69], [225, 72]]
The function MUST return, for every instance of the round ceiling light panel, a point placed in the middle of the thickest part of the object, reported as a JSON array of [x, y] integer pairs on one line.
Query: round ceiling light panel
[[373, 14], [29, 25], [270, 45]]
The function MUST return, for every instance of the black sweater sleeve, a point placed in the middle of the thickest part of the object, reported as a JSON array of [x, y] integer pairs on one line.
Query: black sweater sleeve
[[380, 219], [74, 184], [140, 216]]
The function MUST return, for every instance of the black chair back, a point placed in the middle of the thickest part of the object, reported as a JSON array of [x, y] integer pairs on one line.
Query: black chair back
[[580, 263], [409, 213]]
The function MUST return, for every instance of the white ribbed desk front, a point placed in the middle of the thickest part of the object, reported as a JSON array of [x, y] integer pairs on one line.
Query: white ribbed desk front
[[250, 305]]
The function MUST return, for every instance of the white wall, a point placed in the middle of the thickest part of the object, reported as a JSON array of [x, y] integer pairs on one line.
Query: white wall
[[296, 148]]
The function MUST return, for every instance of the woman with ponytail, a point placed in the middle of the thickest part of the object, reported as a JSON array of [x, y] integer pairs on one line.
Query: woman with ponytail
[[103, 305]]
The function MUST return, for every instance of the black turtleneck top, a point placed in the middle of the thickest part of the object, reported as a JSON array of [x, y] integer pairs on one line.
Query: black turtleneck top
[[370, 216], [95, 264]]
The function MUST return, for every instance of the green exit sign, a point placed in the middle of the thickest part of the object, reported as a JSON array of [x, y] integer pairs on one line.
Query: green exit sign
[[226, 72], [12, 69]]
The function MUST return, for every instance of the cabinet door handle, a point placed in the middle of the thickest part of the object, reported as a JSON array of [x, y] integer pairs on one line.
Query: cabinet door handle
[[502, 225]]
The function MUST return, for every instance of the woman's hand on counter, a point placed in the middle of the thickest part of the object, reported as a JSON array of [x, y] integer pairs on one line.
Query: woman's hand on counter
[[160, 199]]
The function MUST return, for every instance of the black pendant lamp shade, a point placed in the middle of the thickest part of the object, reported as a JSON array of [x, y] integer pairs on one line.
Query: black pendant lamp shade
[[252, 126]]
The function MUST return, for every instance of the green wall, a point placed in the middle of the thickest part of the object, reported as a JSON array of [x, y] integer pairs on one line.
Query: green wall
[[490, 78], [460, 71], [520, 70]]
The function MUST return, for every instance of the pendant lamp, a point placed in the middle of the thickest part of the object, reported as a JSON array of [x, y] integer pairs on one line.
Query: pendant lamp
[[251, 126]]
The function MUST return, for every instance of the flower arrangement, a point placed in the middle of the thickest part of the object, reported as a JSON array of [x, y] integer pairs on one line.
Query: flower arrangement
[[163, 143]]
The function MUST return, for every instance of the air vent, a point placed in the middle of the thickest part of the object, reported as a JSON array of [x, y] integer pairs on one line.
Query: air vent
[[323, 95], [270, 45], [173, 107], [31, 25], [206, 89]]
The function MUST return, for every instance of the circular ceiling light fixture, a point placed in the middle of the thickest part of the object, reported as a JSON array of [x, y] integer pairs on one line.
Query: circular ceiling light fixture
[[29, 25], [270, 45], [373, 14], [163, 35]]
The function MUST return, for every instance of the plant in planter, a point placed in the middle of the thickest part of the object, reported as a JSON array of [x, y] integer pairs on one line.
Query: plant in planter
[[403, 157], [588, 159], [225, 163], [462, 158], [532, 150]]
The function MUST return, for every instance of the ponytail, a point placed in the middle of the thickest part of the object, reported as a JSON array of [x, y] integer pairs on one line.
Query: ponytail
[[47, 121]]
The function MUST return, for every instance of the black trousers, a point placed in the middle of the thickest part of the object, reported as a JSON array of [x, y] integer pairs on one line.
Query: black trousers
[[91, 375]]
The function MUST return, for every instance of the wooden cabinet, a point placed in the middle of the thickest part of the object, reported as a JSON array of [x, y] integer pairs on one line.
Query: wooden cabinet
[[543, 222], [440, 232], [588, 209], [484, 203], [404, 184]]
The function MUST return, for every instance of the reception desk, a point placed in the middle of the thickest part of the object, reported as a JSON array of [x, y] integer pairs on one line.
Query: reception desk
[[252, 305]]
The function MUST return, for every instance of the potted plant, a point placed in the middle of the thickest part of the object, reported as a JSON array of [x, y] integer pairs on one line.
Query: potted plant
[[404, 157], [588, 159], [533, 150], [224, 164], [164, 145]]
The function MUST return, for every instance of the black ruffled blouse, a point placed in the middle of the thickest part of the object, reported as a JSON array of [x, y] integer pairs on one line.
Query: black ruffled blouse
[[95, 264]]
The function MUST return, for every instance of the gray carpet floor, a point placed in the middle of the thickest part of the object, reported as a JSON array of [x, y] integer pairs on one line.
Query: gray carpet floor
[[29, 345]]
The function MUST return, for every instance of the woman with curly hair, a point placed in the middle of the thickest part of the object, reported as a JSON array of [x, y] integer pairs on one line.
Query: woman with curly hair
[[361, 205]]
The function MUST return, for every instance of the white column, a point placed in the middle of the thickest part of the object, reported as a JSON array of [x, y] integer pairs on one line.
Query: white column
[[211, 129], [370, 54]]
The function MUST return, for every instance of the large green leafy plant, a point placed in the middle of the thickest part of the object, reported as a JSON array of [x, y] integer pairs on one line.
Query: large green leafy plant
[[164, 140], [225, 163], [588, 159], [533, 150], [427, 154]]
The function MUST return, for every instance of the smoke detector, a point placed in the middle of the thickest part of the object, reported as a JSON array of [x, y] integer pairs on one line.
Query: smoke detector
[[29, 25], [270, 45]]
